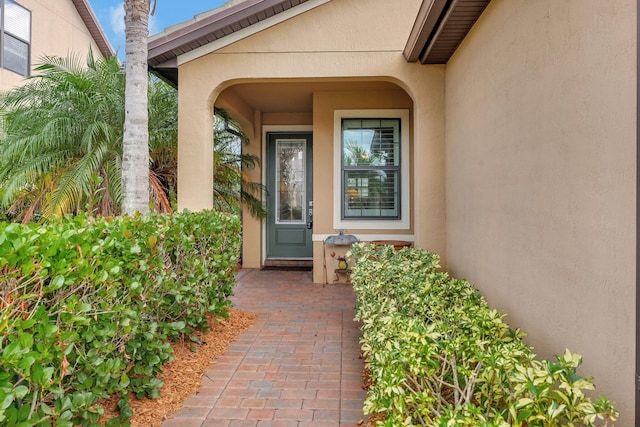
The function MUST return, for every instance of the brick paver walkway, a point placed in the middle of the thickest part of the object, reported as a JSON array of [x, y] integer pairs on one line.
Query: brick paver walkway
[[297, 366]]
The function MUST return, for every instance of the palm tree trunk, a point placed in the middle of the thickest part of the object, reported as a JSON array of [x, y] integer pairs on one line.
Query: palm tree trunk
[[135, 155]]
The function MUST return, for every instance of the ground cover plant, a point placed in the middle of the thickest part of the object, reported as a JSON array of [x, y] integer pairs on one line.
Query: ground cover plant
[[88, 306], [438, 355]]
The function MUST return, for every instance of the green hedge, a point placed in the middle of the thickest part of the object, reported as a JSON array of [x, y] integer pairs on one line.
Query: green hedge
[[439, 356], [88, 307]]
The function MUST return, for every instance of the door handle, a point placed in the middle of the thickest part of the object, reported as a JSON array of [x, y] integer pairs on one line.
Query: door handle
[[309, 225]]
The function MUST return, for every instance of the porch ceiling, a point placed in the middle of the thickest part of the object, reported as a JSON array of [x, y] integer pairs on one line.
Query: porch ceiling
[[295, 97], [440, 27]]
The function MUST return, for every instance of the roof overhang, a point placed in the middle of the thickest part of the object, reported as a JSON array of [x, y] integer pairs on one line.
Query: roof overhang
[[217, 28], [91, 22], [440, 27]]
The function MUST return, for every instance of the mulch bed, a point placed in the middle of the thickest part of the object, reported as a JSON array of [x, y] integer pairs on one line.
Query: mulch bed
[[183, 375]]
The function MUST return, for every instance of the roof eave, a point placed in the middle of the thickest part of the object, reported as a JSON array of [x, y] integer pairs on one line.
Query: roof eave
[[164, 44], [217, 28], [440, 27], [422, 28], [167, 71], [168, 40], [93, 25], [168, 75]]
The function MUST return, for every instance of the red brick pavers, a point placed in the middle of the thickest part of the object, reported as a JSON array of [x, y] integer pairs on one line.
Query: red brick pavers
[[297, 366]]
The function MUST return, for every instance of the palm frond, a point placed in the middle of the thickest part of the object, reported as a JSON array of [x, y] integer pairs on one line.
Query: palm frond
[[65, 124], [61, 143]]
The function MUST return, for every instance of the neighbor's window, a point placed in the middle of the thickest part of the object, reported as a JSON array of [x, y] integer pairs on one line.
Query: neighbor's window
[[371, 168], [16, 37]]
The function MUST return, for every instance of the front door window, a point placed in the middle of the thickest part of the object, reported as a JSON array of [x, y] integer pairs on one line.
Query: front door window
[[291, 181]]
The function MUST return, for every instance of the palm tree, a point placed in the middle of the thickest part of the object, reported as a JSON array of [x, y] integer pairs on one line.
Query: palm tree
[[135, 156], [61, 149], [60, 146], [232, 186], [163, 144]]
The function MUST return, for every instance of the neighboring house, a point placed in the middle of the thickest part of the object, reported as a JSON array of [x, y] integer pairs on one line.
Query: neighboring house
[[507, 145], [31, 29]]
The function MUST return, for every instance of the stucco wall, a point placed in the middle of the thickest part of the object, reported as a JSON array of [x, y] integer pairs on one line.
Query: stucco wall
[[540, 177], [314, 47], [56, 29]]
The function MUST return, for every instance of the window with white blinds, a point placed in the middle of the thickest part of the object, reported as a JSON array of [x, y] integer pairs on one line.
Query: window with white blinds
[[16, 37], [371, 168]]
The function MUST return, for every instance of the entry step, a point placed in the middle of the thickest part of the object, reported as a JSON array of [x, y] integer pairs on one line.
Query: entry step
[[300, 263]]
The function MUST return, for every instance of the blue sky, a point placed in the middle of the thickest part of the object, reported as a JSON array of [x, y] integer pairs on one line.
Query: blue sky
[[168, 12]]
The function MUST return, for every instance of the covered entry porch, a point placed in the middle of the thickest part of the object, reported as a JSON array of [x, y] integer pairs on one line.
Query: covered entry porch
[[295, 128], [296, 76]]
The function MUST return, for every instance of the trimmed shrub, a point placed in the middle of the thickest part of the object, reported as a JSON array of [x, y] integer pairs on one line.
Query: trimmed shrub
[[88, 306], [438, 355]]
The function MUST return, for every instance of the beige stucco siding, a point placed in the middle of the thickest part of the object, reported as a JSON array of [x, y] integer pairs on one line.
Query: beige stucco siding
[[344, 26], [313, 48], [56, 29], [540, 177]]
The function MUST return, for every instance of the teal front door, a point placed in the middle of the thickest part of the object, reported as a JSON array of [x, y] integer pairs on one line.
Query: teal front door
[[290, 199]]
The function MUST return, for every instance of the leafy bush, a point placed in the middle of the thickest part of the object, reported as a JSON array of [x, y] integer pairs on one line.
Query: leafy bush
[[439, 356], [88, 305]]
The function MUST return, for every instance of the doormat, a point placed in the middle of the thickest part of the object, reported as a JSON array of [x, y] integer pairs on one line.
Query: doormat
[[286, 268]]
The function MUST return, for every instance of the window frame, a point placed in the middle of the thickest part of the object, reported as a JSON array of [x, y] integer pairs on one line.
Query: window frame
[[370, 168], [4, 33], [404, 197]]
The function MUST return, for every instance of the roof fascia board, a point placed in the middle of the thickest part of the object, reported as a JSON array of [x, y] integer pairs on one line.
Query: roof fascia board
[[427, 19], [171, 63], [249, 31], [184, 33], [425, 54], [94, 27]]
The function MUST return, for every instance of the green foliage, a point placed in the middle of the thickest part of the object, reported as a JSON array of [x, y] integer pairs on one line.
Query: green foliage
[[438, 355], [88, 305], [61, 144], [61, 149], [232, 187]]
